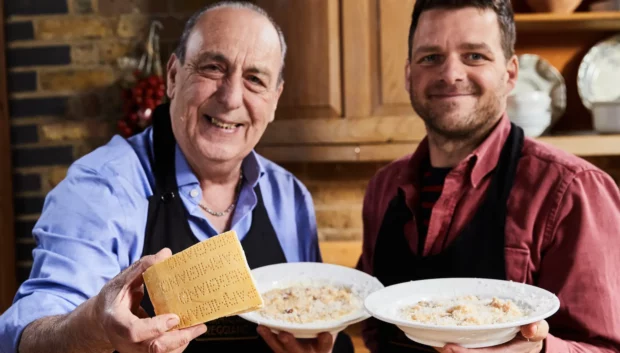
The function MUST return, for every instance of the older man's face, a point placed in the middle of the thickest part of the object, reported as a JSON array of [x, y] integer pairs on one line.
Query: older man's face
[[226, 92], [458, 77]]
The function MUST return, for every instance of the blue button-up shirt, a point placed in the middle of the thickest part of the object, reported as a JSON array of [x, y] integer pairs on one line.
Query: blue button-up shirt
[[93, 224]]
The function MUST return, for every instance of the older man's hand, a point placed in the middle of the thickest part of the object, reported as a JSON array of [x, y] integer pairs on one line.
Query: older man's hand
[[127, 326], [286, 343], [529, 341]]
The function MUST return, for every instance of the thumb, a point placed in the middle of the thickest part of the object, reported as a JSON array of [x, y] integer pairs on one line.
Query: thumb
[[132, 276], [535, 332]]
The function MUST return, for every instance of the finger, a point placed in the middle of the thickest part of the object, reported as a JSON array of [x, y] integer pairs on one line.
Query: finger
[[535, 332], [132, 275], [146, 262], [324, 342], [290, 343], [175, 340], [453, 348], [136, 299], [180, 350], [139, 330], [271, 339], [141, 313]]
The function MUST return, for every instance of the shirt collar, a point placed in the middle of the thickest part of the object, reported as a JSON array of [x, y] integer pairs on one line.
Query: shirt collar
[[480, 162], [485, 157], [251, 166]]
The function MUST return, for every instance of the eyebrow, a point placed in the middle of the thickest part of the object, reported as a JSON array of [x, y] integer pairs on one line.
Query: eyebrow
[[219, 57], [426, 49], [475, 46], [212, 55]]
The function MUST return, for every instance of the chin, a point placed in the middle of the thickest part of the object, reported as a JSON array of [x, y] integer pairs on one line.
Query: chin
[[452, 125], [218, 152]]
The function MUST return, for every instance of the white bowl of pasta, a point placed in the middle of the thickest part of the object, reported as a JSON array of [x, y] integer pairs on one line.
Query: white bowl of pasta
[[470, 312], [307, 298]]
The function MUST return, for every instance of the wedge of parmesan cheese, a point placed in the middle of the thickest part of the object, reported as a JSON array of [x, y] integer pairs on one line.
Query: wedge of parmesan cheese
[[204, 282]]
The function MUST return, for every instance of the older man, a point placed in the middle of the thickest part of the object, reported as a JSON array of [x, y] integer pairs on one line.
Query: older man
[[477, 199], [131, 203]]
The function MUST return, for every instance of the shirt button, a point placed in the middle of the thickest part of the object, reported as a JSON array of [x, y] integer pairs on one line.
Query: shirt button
[[193, 193]]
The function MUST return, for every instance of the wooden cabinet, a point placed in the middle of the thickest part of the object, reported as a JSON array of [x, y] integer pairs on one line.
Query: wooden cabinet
[[345, 98], [312, 76], [374, 55]]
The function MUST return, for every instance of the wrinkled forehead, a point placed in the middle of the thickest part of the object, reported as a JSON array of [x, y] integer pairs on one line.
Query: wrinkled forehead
[[241, 35], [448, 28]]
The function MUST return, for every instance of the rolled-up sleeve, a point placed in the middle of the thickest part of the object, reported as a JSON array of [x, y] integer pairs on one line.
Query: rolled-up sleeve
[[581, 266], [79, 235]]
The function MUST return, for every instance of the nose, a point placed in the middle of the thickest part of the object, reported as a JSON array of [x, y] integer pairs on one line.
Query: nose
[[230, 93], [452, 70]]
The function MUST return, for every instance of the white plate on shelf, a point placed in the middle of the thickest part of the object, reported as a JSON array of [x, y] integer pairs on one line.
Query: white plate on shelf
[[537, 74], [598, 78], [386, 305], [312, 273]]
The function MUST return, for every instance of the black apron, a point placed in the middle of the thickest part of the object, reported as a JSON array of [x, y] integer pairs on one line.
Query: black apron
[[478, 251], [167, 226]]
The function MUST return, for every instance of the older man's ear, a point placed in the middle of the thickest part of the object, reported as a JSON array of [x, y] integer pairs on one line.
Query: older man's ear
[[172, 69], [278, 93]]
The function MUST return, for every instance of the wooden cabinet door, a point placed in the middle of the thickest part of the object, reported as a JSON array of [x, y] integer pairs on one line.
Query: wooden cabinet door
[[375, 107], [312, 79], [375, 34]]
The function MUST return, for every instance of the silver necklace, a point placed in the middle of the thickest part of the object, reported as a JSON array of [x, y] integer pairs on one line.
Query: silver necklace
[[230, 208]]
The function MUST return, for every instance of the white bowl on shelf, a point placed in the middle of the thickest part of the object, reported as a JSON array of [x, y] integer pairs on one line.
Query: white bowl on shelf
[[386, 305], [606, 116], [533, 125], [311, 274], [525, 101], [606, 5], [531, 110]]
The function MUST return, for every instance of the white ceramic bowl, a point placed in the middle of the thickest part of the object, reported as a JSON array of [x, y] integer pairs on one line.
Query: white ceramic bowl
[[606, 116], [529, 101], [312, 273], [386, 305]]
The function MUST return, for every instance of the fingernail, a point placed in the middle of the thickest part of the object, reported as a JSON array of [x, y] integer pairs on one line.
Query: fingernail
[[260, 330], [172, 322], [284, 339]]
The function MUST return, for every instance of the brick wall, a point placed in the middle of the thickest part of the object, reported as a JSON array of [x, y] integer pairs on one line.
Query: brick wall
[[64, 100], [63, 86]]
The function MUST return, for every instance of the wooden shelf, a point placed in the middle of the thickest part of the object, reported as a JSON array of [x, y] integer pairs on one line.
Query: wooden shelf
[[581, 145], [578, 21]]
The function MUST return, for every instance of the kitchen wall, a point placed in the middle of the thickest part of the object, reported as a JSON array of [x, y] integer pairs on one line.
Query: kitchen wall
[[64, 101]]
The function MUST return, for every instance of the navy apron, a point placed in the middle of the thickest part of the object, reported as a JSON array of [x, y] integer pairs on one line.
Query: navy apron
[[478, 251]]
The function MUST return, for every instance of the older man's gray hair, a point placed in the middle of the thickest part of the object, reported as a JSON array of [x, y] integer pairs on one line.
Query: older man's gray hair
[[189, 26]]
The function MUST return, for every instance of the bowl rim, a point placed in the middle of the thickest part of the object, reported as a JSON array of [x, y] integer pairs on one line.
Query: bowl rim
[[358, 315], [454, 328]]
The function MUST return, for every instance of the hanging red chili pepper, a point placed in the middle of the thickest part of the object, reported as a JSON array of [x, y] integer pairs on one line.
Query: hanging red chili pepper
[[146, 91]]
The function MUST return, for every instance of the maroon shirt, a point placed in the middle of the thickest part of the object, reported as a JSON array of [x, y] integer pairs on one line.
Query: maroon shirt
[[562, 231]]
